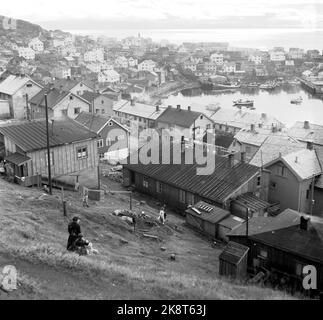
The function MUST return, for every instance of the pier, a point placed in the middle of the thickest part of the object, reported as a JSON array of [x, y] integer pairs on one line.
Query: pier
[[312, 87]]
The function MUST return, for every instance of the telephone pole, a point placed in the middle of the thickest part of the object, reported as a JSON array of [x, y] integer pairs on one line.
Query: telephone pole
[[48, 149]]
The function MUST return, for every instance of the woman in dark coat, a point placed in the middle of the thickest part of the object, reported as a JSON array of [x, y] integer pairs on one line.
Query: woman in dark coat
[[74, 230]]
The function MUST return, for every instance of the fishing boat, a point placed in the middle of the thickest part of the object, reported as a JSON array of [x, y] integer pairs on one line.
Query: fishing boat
[[253, 85], [297, 100], [213, 107], [268, 86], [220, 86], [241, 102]]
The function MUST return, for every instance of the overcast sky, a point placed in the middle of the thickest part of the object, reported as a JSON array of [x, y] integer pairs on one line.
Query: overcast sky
[[95, 14]]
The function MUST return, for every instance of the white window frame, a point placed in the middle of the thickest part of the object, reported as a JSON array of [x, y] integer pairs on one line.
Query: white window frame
[[145, 182], [159, 187], [81, 153], [99, 143]]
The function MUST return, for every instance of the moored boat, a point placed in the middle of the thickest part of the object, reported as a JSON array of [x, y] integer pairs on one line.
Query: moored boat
[[242, 102], [297, 100]]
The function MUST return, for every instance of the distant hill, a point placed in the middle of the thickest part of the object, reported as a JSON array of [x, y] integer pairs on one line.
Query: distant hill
[[21, 30]]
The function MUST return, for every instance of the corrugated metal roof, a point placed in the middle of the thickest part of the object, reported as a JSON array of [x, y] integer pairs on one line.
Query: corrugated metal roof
[[233, 252], [31, 135], [54, 96], [216, 185], [215, 215], [253, 202]]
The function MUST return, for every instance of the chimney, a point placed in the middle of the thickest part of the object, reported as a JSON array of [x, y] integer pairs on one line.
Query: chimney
[[178, 107], [252, 127], [189, 108], [243, 157], [157, 107], [61, 88], [296, 159], [306, 125], [231, 160], [132, 102], [309, 145], [273, 128], [304, 223], [263, 116]]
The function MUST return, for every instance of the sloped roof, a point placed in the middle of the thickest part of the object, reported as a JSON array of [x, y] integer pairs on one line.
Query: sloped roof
[[179, 117], [275, 146], [233, 252], [215, 215], [313, 134], [54, 96], [31, 135], [17, 158], [241, 119], [13, 83], [69, 84], [304, 163], [90, 96], [216, 185], [258, 225], [139, 109]]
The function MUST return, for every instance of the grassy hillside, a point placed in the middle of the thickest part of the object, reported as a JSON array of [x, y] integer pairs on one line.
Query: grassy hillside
[[33, 238]]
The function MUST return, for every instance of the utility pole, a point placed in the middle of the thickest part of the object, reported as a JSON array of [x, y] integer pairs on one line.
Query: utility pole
[[48, 150], [312, 194]]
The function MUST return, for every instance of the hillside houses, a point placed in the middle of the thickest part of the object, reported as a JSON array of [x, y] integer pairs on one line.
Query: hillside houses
[[36, 44], [16, 89], [26, 53], [100, 103]]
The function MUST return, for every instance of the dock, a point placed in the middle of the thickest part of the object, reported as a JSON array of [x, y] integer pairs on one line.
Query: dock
[[315, 87]]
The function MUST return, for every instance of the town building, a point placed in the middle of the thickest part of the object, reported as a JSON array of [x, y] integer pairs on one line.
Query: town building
[[277, 56], [36, 44], [60, 104], [74, 86], [147, 65], [100, 103], [255, 58], [94, 55], [26, 53], [109, 76], [73, 148], [296, 53], [137, 115], [113, 138], [16, 90], [178, 185], [61, 72], [217, 58], [194, 124]]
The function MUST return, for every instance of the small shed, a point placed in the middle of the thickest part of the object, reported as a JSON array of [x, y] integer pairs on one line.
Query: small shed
[[234, 261], [205, 218], [257, 207]]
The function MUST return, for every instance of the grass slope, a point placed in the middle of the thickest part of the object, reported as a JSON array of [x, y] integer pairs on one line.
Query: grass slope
[[33, 238]]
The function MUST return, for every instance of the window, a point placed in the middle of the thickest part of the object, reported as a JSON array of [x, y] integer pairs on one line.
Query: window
[[263, 254], [97, 110], [145, 183], [81, 153], [29, 85], [102, 111], [51, 158], [208, 126], [100, 143], [248, 149], [77, 110], [108, 142], [101, 155], [102, 101], [182, 196], [64, 112], [273, 185], [71, 97], [281, 171], [110, 124], [258, 180], [201, 117], [159, 187]]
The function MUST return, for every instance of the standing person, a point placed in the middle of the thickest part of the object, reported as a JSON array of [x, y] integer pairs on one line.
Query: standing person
[[74, 230], [161, 217], [85, 197]]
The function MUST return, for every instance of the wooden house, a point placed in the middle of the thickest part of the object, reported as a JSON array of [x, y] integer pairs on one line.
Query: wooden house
[[100, 103], [113, 138], [60, 104], [17, 90], [73, 148], [283, 245], [180, 185]]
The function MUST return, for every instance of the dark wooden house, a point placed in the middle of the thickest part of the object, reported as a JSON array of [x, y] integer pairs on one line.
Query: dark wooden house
[[284, 245]]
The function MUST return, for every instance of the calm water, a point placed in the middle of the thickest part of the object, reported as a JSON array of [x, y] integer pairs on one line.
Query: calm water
[[250, 38], [276, 103]]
